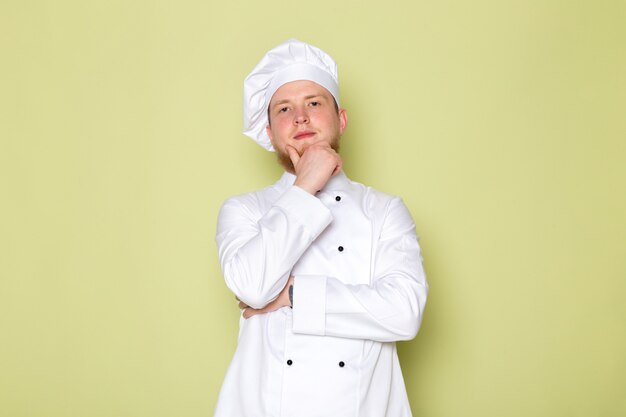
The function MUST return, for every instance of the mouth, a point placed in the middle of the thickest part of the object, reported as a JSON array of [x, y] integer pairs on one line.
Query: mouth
[[303, 135]]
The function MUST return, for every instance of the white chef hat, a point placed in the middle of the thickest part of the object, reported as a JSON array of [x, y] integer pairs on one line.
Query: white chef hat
[[292, 60]]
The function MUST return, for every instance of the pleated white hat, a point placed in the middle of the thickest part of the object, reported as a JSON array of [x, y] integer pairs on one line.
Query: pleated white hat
[[292, 60]]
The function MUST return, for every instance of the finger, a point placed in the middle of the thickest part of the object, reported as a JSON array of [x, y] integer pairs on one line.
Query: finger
[[338, 167], [243, 305], [249, 312], [336, 170], [293, 155], [322, 144]]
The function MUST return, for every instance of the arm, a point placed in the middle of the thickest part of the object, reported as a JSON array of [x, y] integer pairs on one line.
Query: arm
[[257, 252], [252, 247], [389, 309], [284, 299]]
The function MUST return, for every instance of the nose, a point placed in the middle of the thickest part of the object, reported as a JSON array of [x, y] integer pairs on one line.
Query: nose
[[301, 117]]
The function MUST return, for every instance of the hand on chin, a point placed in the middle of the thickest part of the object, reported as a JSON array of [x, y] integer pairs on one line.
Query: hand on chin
[[306, 145]]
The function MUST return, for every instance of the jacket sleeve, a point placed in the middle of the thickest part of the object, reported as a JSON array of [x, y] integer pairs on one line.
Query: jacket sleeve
[[388, 309], [253, 246]]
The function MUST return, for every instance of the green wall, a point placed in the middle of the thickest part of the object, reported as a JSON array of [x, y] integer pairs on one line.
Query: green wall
[[501, 123]]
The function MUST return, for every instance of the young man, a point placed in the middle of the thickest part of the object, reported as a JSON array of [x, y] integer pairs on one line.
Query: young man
[[328, 271]]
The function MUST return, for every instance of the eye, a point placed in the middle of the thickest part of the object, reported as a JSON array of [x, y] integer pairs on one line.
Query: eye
[[314, 103], [283, 109]]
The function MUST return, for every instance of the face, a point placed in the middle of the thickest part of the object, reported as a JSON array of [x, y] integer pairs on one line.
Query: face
[[302, 113]]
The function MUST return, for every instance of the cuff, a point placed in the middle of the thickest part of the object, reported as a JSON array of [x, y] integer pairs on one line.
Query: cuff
[[306, 209], [309, 304]]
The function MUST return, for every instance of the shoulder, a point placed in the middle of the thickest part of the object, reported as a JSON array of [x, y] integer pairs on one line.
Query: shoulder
[[375, 202], [388, 212]]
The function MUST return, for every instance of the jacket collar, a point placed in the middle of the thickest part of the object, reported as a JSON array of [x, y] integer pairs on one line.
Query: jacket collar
[[339, 182]]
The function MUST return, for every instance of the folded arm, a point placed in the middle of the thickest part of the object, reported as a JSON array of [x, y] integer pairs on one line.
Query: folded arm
[[388, 309], [253, 246]]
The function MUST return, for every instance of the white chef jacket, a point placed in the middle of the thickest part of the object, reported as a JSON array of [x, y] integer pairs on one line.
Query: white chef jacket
[[359, 286]]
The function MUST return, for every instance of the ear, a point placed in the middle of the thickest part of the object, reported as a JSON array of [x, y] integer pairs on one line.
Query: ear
[[268, 130], [343, 120]]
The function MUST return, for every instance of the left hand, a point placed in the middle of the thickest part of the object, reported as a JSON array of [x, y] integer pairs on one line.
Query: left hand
[[281, 301]]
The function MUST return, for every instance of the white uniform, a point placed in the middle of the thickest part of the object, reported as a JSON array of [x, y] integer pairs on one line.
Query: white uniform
[[359, 286]]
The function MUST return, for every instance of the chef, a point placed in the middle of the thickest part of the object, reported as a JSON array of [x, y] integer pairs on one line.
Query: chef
[[328, 271]]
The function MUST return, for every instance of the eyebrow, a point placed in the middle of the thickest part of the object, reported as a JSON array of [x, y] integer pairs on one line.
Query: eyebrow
[[278, 103]]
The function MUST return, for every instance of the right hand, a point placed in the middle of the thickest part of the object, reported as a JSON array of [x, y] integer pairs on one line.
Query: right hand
[[281, 301], [315, 166]]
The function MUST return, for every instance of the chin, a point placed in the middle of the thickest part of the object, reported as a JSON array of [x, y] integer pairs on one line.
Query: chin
[[285, 161]]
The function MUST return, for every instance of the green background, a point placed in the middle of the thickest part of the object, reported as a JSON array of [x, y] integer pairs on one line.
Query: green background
[[500, 123]]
